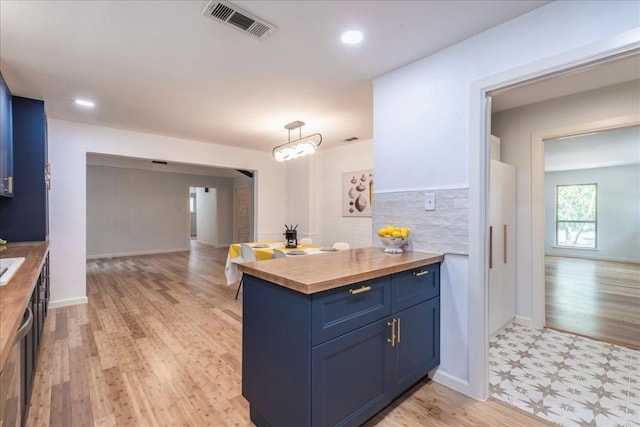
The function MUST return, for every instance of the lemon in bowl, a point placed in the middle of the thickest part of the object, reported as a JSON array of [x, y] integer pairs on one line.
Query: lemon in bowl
[[393, 238]]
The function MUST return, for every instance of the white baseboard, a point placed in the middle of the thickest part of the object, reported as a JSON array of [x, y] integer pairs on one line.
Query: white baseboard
[[524, 321], [67, 302], [213, 245], [122, 254], [452, 382], [592, 258]]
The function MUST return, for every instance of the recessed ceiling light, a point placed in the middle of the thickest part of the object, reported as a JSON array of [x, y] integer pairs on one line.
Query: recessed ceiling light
[[352, 37], [85, 103]]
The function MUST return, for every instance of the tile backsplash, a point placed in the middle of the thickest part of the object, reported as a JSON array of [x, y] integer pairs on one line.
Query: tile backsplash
[[443, 230]]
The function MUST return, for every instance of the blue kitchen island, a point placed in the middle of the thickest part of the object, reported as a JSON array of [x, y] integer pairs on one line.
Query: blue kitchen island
[[332, 339]]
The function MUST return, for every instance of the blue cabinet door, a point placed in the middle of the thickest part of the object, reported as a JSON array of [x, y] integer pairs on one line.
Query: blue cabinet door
[[24, 218], [350, 376], [6, 141], [418, 347], [276, 354]]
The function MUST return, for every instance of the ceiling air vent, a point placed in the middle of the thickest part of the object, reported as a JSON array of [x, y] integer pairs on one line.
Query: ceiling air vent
[[240, 19]]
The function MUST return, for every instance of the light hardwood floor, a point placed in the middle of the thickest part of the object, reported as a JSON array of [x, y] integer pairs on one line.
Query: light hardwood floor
[[596, 299], [160, 344]]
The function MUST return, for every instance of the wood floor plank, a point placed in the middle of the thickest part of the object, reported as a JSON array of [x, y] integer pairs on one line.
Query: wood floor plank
[[160, 343], [592, 298]]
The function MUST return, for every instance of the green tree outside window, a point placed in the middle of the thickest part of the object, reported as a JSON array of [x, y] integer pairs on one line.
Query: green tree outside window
[[576, 213]]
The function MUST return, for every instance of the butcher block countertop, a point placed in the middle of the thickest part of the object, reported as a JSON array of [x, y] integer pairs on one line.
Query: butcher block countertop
[[15, 295], [309, 274]]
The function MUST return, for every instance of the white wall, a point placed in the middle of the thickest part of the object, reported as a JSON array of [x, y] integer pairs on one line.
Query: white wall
[[428, 134], [133, 211], [207, 207], [618, 212], [314, 194], [300, 193], [332, 163], [514, 127], [69, 143]]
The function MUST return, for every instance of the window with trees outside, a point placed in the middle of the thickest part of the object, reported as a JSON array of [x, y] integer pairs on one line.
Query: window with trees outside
[[576, 224]]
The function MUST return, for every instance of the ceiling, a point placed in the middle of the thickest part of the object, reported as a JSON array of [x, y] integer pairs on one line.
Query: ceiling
[[615, 147], [161, 67], [617, 70], [160, 166]]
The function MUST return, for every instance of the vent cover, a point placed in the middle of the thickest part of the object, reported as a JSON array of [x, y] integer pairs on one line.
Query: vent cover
[[239, 19]]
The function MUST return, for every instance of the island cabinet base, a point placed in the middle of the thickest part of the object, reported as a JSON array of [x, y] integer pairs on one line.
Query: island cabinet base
[[339, 356]]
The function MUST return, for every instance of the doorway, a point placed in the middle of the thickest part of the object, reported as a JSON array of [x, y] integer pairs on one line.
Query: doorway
[[592, 235], [205, 214], [193, 214], [523, 130]]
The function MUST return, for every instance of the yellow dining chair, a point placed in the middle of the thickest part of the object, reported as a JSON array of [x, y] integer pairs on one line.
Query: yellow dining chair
[[247, 254]]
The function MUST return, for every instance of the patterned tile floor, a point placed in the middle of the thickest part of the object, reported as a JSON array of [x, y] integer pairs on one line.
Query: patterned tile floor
[[567, 379]]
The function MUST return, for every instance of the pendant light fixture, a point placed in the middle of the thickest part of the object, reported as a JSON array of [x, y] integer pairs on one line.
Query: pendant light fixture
[[298, 147]]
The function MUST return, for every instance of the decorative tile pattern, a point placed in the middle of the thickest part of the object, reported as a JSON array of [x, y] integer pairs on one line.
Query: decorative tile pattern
[[567, 379], [443, 230]]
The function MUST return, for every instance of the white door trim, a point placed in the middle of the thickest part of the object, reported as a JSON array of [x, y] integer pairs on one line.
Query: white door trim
[[478, 344]]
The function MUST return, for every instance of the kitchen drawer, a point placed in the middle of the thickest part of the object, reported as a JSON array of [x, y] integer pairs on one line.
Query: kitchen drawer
[[410, 287], [338, 311]]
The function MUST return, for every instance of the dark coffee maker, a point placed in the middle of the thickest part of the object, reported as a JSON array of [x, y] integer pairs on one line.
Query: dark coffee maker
[[291, 236]]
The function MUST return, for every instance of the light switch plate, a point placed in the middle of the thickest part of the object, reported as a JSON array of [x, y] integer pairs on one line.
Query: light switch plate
[[429, 201]]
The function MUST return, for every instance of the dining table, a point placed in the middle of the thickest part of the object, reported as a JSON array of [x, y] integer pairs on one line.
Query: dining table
[[264, 251]]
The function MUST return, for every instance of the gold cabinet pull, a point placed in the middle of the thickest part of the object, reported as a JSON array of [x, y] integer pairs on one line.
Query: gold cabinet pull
[[504, 242], [392, 340], [9, 186], [420, 273], [490, 247], [359, 291], [398, 333]]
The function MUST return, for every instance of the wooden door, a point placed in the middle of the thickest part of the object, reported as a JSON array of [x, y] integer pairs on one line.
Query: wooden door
[[241, 214]]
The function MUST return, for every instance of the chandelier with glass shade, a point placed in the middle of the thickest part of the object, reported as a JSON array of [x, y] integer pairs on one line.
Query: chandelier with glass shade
[[300, 147]]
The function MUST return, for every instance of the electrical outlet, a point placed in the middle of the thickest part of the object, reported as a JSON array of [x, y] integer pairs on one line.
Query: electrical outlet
[[429, 201]]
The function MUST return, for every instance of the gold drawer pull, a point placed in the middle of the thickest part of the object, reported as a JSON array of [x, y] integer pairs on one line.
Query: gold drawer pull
[[359, 291], [392, 340], [420, 273], [9, 186], [398, 333]]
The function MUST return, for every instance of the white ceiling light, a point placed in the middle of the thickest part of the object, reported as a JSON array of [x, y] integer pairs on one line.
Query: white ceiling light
[[352, 37], [85, 103], [298, 147]]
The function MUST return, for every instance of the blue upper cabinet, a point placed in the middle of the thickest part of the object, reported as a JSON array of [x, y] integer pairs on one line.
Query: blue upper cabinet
[[6, 141], [25, 217]]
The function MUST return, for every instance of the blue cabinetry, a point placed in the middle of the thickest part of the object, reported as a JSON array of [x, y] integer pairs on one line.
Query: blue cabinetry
[[6, 141], [25, 217], [337, 357]]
